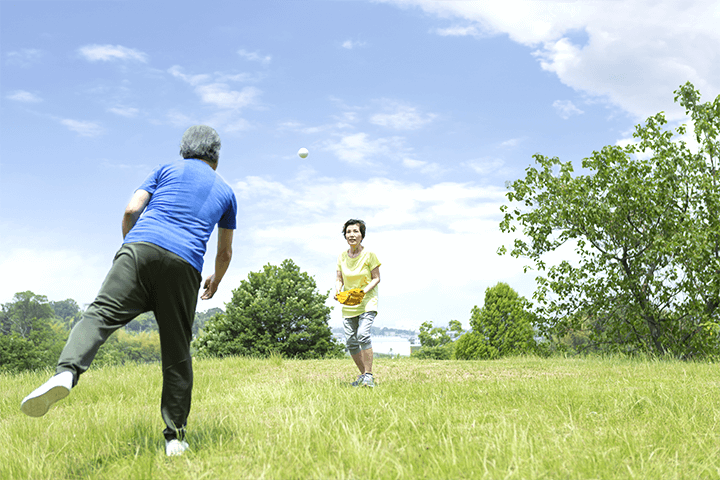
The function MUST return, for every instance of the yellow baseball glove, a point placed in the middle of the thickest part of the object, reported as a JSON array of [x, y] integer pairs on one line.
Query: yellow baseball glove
[[351, 297]]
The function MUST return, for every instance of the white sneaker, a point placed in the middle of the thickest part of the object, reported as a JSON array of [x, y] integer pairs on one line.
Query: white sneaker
[[41, 399], [175, 447]]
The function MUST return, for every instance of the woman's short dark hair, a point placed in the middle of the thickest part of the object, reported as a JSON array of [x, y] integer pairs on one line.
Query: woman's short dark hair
[[201, 142], [353, 221]]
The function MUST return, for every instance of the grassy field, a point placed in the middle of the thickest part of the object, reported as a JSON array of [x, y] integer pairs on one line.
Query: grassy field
[[521, 418]]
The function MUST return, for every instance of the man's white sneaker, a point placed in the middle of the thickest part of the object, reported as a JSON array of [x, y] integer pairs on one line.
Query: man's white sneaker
[[175, 447], [41, 399]]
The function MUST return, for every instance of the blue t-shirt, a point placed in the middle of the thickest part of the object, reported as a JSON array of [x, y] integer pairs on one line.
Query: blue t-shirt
[[188, 198]]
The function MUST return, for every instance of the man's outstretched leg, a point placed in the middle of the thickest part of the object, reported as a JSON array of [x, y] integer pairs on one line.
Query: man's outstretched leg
[[121, 298]]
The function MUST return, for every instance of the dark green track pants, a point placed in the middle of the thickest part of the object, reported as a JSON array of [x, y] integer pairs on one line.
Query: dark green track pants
[[144, 277]]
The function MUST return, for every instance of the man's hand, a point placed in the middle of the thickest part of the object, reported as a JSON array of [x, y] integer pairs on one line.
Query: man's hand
[[222, 262], [210, 286]]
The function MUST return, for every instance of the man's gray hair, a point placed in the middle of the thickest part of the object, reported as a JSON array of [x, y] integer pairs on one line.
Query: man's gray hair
[[202, 142]]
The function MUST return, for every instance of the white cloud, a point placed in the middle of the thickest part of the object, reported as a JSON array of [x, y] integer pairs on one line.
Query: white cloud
[[220, 95], [411, 163], [84, 129], [485, 166], [255, 57], [428, 168], [106, 53], [66, 273], [401, 117], [459, 31], [180, 120], [128, 112], [24, 57], [24, 97], [350, 44], [359, 149], [637, 51], [566, 109], [436, 241], [513, 142], [176, 71]]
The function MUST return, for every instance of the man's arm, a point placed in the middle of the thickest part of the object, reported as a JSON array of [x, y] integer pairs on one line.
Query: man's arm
[[137, 204], [222, 262]]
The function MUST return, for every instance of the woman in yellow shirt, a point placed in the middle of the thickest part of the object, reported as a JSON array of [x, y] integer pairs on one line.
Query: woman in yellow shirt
[[358, 267]]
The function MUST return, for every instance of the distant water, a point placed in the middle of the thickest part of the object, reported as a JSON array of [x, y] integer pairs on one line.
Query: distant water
[[394, 345]]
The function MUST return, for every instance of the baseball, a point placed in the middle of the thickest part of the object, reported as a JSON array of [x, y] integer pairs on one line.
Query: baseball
[[303, 152]]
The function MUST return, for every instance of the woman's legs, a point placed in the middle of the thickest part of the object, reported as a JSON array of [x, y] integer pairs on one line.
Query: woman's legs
[[357, 332]]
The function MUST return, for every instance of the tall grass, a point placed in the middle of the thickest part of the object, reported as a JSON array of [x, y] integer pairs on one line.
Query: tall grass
[[520, 418]]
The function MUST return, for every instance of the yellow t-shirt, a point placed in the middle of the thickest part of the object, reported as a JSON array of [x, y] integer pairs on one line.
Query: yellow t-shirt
[[356, 273]]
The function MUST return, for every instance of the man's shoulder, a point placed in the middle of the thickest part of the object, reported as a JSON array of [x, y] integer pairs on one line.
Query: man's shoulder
[[225, 186]]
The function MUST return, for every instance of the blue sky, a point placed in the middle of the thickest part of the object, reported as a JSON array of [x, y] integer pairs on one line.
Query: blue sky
[[415, 112]]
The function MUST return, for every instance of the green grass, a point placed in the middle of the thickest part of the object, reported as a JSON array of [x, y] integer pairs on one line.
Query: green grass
[[521, 418]]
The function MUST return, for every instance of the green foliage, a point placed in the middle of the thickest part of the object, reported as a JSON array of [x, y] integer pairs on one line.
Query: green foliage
[[124, 347], [437, 342], [433, 336], [18, 354], [644, 222], [65, 308], [25, 313], [30, 335], [145, 322], [275, 311], [502, 327], [201, 319]]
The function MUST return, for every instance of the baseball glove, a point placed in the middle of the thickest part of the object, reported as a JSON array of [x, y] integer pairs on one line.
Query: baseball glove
[[351, 297]]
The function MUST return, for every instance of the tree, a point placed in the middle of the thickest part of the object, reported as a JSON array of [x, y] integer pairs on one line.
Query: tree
[[127, 347], [201, 319], [437, 342], [433, 336], [30, 336], [145, 322], [68, 311], [65, 308], [502, 327], [25, 313], [644, 221], [275, 311]]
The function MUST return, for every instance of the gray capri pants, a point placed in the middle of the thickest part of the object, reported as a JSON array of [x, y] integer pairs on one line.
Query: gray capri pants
[[357, 332]]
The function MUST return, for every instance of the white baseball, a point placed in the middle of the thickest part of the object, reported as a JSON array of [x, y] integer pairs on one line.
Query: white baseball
[[303, 152]]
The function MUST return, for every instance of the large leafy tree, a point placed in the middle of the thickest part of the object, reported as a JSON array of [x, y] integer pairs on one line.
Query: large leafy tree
[[202, 317], [65, 308], [30, 335], [437, 342], [68, 311], [502, 327], [275, 311], [644, 222], [25, 314]]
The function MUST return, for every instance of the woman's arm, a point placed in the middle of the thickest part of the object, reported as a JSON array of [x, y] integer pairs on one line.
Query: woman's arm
[[374, 280], [338, 283]]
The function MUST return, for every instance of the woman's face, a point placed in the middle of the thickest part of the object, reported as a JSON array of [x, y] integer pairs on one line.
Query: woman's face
[[353, 235]]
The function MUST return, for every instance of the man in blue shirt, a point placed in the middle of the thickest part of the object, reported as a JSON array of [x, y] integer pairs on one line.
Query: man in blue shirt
[[158, 269]]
